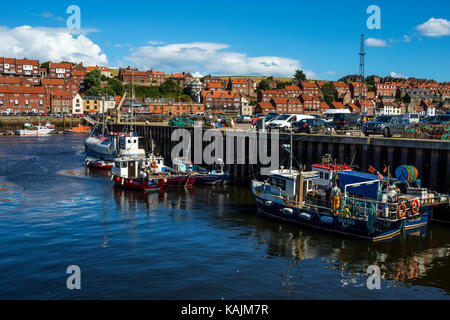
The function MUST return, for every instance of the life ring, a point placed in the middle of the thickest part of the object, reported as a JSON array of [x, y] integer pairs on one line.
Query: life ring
[[401, 210], [154, 165], [415, 206]]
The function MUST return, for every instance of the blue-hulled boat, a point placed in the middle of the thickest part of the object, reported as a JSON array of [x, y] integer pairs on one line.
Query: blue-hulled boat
[[203, 176]]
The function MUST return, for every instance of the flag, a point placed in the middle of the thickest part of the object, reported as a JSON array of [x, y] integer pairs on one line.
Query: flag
[[380, 177], [371, 169], [385, 169]]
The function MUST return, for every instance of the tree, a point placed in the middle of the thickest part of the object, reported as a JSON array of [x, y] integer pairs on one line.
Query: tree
[[263, 85], [117, 86], [92, 79], [329, 92], [299, 75], [45, 65]]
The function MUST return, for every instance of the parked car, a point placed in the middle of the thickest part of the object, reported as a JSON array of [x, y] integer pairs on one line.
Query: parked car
[[345, 121], [243, 118], [309, 126], [284, 121], [441, 119], [412, 117], [386, 125]]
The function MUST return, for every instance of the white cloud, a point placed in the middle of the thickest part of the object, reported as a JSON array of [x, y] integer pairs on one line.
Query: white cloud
[[211, 57], [331, 73], [434, 28], [197, 74], [50, 44], [372, 42], [406, 38], [155, 43], [396, 75]]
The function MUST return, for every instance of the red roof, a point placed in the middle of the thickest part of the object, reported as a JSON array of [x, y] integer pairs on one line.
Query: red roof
[[55, 82], [60, 66], [337, 105], [22, 89], [292, 88], [10, 80]]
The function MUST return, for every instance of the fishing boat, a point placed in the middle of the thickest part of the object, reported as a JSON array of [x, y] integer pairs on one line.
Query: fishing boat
[[99, 164], [359, 204], [203, 176], [147, 174], [31, 130], [79, 129]]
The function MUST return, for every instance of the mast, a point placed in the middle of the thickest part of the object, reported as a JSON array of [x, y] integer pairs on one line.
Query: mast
[[291, 155]]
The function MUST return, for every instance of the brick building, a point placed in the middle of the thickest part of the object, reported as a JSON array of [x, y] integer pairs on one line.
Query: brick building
[[358, 90], [17, 99], [311, 104], [61, 102], [60, 71], [19, 67]]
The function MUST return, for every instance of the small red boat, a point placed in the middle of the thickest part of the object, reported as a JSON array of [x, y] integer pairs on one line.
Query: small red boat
[[142, 174], [99, 164]]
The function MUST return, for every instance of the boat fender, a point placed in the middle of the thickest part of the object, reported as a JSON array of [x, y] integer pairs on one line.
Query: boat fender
[[112, 178], [327, 219], [401, 212], [415, 206], [268, 203], [165, 180], [306, 216], [288, 211], [123, 181]]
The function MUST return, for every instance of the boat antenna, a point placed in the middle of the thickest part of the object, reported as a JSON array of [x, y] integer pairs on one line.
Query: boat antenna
[[291, 155]]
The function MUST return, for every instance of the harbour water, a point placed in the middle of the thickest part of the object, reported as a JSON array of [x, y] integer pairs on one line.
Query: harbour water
[[204, 243]]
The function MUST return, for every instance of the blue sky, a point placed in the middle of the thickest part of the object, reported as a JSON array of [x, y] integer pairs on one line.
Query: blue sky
[[236, 37]]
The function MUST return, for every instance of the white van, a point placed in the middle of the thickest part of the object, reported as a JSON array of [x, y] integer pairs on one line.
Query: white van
[[285, 121], [413, 117], [329, 115]]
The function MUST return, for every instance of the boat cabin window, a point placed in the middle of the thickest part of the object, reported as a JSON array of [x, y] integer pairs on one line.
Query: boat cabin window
[[117, 164], [276, 182], [321, 175], [123, 164], [327, 176]]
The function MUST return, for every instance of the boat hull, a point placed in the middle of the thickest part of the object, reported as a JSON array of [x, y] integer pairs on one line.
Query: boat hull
[[26, 132], [323, 221], [178, 181], [143, 185], [211, 179]]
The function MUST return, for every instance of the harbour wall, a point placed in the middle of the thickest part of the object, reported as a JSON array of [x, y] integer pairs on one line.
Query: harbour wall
[[430, 157]]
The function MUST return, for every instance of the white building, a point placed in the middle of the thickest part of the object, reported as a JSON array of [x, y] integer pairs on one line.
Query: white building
[[77, 104]]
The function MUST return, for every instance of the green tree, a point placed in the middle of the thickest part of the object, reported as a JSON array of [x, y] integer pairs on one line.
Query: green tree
[[329, 92], [92, 79], [45, 65], [263, 85], [299, 75], [117, 86]]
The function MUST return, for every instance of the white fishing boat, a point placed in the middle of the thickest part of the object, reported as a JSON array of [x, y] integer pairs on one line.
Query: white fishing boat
[[30, 130]]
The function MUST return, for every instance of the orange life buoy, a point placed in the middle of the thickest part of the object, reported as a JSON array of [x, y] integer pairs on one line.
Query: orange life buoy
[[154, 165], [415, 206], [401, 210]]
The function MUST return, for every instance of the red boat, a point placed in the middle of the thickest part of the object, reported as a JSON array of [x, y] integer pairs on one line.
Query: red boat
[[99, 164], [138, 174]]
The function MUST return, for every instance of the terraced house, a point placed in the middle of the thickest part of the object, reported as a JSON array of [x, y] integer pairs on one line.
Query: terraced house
[[17, 99], [61, 102], [19, 67], [222, 100], [60, 71]]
